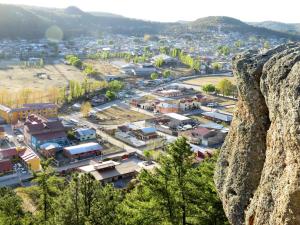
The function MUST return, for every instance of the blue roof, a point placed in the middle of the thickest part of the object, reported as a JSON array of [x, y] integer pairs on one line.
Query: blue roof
[[148, 130]]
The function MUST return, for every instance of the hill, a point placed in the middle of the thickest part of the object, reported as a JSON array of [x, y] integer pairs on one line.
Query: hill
[[293, 28], [32, 23], [228, 24]]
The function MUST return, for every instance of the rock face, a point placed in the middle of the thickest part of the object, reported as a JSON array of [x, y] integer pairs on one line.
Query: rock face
[[258, 172]]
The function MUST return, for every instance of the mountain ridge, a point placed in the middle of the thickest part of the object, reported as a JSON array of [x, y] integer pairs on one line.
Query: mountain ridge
[[31, 22]]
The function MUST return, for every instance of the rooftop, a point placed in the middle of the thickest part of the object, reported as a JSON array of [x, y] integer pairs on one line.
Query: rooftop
[[177, 116], [83, 148]]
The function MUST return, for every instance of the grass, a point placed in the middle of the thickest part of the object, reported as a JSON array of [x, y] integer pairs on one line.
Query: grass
[[209, 80], [116, 116], [110, 149], [103, 67], [15, 77], [29, 196], [200, 119]]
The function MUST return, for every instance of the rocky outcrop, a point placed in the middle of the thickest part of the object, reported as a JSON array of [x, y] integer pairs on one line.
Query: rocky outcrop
[[258, 172]]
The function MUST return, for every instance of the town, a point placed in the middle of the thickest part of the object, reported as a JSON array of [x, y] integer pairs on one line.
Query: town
[[149, 113], [142, 94]]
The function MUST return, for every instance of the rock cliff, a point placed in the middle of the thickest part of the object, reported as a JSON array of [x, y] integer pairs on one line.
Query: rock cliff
[[258, 172]]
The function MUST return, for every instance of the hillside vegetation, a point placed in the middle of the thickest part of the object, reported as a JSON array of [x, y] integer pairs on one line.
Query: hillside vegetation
[[32, 23]]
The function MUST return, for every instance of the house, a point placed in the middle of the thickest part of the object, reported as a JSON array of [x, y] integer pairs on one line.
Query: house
[[2, 133], [85, 134], [144, 70], [217, 116], [169, 93], [146, 133], [31, 159], [177, 119], [26, 155], [110, 171], [145, 137], [191, 103], [83, 150], [165, 108], [39, 130], [6, 166], [198, 135], [13, 115]]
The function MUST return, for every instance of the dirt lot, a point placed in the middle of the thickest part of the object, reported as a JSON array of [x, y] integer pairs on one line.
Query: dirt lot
[[117, 115], [15, 77], [104, 68], [209, 80]]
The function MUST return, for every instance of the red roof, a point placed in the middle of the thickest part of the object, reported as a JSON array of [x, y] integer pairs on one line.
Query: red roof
[[50, 135], [201, 131], [5, 166], [8, 153]]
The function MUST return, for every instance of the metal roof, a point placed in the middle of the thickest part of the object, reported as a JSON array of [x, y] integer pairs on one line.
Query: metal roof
[[84, 148]]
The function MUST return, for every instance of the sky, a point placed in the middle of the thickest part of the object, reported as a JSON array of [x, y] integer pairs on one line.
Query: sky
[[188, 10]]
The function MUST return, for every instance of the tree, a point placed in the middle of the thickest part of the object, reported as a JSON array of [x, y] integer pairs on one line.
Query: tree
[[89, 69], [209, 88], [115, 86], [110, 95], [104, 206], [224, 50], [267, 45], [216, 66], [154, 76], [225, 87], [85, 109], [166, 73], [175, 52], [177, 192], [159, 62], [238, 44], [49, 187], [10, 207]]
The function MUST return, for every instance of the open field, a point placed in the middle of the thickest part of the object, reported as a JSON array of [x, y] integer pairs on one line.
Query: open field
[[200, 119], [103, 67], [117, 115], [209, 80], [15, 77]]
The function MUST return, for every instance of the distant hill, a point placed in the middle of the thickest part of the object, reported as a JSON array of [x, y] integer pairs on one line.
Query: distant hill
[[106, 14], [228, 24], [32, 23], [292, 28]]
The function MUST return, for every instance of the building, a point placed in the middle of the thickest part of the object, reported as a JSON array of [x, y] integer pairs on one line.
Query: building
[[83, 150], [177, 119], [13, 115], [218, 117], [85, 134], [191, 103], [170, 93], [31, 159], [2, 133], [204, 136], [165, 107], [144, 70], [22, 154], [144, 138], [6, 166], [110, 171], [39, 130], [146, 133]]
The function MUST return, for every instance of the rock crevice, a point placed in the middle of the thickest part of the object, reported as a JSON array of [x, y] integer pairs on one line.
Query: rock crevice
[[258, 172]]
